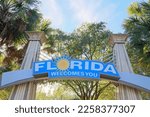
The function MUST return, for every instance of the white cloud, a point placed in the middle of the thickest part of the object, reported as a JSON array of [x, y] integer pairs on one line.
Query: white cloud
[[91, 10], [72, 13], [83, 13], [53, 12]]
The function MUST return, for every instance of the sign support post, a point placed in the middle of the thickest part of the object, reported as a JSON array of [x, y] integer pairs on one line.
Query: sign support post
[[123, 64], [26, 91]]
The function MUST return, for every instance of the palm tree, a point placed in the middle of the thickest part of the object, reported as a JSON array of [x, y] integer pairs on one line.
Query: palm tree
[[16, 16], [137, 26]]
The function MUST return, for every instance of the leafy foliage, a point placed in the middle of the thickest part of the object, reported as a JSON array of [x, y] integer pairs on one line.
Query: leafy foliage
[[58, 92], [4, 93], [90, 41], [137, 26], [16, 16]]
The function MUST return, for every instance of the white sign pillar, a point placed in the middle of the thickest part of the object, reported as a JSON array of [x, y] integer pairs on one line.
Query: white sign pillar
[[27, 90], [123, 64]]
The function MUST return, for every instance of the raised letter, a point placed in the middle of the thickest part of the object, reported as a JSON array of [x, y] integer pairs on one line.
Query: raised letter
[[96, 66], [86, 65], [110, 68], [76, 64], [39, 65], [49, 66]]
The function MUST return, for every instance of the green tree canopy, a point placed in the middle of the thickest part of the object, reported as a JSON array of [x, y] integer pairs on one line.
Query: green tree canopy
[[137, 26], [16, 17], [90, 41]]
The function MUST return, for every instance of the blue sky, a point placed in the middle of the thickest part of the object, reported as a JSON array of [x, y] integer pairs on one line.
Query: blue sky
[[67, 15]]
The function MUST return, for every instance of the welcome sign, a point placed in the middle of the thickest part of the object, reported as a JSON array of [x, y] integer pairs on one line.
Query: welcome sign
[[66, 67]]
